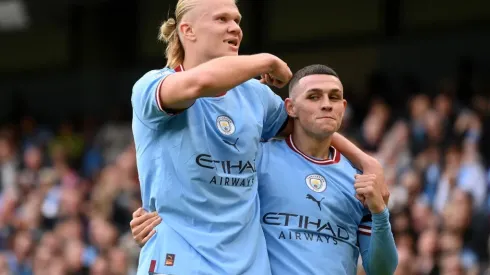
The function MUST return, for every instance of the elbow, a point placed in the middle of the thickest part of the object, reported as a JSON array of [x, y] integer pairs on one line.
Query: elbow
[[387, 266], [390, 266]]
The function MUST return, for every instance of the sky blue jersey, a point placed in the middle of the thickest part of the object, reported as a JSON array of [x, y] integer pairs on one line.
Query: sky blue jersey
[[312, 221], [197, 169]]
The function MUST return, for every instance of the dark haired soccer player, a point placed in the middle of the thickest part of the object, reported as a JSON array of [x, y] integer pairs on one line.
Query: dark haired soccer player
[[311, 196]]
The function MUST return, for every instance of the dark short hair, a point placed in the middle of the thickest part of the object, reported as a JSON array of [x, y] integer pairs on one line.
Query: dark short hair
[[310, 70]]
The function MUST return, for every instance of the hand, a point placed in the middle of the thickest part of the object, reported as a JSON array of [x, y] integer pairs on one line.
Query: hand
[[368, 190], [143, 224], [266, 79], [375, 168], [279, 75]]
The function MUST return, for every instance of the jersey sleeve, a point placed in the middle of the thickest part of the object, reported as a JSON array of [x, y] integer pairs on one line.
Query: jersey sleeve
[[146, 100], [275, 115], [377, 245], [365, 225], [364, 236]]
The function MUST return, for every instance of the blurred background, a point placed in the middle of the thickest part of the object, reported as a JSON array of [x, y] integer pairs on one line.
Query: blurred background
[[416, 75]]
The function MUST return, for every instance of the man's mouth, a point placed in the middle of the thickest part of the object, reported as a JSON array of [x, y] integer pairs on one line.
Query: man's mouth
[[233, 42], [326, 117]]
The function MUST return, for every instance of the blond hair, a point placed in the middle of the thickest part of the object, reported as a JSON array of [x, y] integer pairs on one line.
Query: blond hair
[[170, 35]]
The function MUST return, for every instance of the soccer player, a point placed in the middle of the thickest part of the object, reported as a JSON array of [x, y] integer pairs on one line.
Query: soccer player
[[197, 126], [312, 198]]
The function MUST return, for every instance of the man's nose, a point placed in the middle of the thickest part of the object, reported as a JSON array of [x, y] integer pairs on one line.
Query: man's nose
[[234, 27], [326, 104]]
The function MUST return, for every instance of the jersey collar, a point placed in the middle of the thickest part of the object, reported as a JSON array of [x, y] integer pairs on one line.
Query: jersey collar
[[179, 68], [335, 154]]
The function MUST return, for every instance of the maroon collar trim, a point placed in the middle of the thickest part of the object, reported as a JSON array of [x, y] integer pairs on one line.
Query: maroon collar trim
[[333, 160]]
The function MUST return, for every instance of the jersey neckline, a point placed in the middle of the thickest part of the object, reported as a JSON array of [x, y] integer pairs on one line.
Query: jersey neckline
[[333, 160]]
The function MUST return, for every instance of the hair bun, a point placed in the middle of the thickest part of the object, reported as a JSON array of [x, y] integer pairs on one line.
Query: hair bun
[[167, 30]]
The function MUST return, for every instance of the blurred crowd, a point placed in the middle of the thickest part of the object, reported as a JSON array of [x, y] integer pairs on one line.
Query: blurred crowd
[[436, 166], [66, 199], [67, 193]]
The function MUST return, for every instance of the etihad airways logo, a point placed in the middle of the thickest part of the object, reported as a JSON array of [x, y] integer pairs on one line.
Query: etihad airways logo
[[226, 166], [299, 225], [239, 173]]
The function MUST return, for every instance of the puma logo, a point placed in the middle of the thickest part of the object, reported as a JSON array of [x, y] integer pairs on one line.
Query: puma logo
[[310, 197], [232, 144]]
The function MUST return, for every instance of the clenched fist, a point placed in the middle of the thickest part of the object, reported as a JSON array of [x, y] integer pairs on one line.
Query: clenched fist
[[368, 190], [374, 167], [279, 76]]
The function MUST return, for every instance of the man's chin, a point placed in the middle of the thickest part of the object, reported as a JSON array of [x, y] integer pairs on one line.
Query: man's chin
[[330, 128], [324, 133]]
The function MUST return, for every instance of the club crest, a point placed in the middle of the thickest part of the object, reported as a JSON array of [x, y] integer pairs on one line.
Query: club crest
[[225, 125], [316, 183]]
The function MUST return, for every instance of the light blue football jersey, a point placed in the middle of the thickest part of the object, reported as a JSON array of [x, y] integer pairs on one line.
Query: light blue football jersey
[[311, 219], [197, 169]]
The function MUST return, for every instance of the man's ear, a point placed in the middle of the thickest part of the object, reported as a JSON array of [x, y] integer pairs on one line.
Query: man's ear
[[345, 109], [187, 31], [290, 107]]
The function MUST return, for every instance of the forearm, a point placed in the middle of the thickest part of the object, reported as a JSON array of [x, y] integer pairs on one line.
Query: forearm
[[382, 255], [224, 73], [180, 90], [353, 153]]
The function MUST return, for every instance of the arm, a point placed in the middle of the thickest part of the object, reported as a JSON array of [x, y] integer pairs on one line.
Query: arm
[[164, 89], [378, 251], [179, 91], [362, 161]]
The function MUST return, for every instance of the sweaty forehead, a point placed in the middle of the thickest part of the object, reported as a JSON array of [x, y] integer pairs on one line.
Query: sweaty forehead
[[322, 82]]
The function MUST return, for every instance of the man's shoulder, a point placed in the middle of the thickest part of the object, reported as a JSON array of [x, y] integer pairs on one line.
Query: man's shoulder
[[275, 142], [153, 75], [272, 149], [157, 73]]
